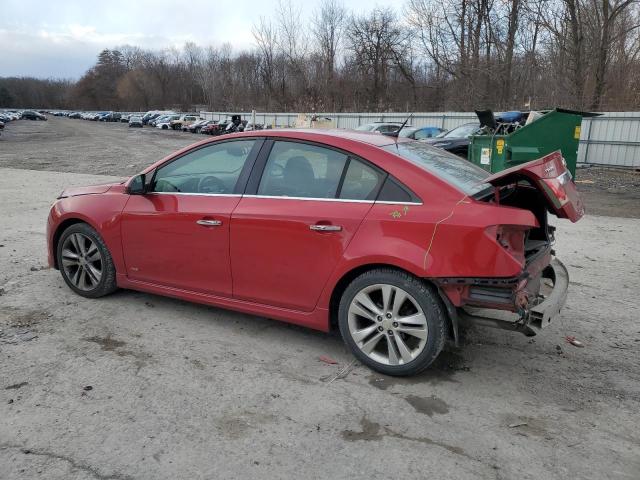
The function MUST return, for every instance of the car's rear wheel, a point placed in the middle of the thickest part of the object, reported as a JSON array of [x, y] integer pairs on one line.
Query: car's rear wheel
[[392, 322], [85, 262]]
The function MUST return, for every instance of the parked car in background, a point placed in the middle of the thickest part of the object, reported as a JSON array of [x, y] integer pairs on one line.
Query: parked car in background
[[380, 127], [163, 120], [249, 127], [420, 133], [164, 123], [110, 117], [155, 119], [457, 140], [125, 118], [1, 125], [97, 115], [313, 226], [195, 127], [135, 121], [152, 114], [184, 120], [212, 128], [31, 115]]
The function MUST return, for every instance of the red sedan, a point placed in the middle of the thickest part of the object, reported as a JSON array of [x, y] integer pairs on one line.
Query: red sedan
[[389, 240]]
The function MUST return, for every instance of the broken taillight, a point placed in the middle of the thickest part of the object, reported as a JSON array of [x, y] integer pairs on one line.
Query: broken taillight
[[556, 188]]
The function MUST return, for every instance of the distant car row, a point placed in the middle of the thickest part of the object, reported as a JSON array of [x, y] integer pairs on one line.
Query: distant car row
[[455, 141], [169, 120], [7, 116]]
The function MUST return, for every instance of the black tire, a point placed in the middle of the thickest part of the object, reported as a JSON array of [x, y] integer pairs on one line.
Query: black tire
[[107, 282], [425, 296]]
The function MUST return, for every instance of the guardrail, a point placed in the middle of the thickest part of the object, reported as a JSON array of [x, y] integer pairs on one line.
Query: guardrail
[[612, 139]]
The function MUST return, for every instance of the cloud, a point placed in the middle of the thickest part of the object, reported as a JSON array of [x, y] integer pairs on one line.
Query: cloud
[[63, 38]]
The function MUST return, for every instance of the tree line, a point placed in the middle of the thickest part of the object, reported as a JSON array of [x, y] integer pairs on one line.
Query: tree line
[[432, 55]]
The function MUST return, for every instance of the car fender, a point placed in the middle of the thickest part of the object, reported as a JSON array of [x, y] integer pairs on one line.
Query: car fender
[[101, 211]]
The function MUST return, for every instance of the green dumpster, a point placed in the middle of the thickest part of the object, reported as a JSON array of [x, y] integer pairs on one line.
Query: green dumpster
[[552, 130]]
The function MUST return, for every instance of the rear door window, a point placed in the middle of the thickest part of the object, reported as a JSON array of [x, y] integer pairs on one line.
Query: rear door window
[[301, 170]]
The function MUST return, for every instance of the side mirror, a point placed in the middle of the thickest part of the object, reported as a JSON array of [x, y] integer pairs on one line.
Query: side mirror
[[137, 185]]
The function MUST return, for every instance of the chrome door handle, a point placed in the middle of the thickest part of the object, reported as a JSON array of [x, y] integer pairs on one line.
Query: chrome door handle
[[210, 223], [325, 228]]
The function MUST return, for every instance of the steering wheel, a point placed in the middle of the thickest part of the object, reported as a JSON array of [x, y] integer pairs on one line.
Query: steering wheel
[[211, 184], [165, 186]]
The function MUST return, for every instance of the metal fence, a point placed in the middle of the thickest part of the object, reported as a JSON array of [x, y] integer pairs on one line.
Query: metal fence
[[612, 139]]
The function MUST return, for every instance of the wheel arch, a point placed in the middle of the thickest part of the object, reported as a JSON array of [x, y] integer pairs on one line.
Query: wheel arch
[[62, 226], [344, 281]]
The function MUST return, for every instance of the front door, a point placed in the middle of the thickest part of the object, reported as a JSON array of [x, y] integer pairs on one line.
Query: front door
[[177, 235], [288, 236]]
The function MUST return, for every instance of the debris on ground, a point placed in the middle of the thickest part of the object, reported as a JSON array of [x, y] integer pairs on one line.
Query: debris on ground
[[518, 424], [342, 373], [325, 359], [16, 386], [572, 340]]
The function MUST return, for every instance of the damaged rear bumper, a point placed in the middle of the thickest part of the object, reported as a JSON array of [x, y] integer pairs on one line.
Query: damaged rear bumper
[[537, 315]]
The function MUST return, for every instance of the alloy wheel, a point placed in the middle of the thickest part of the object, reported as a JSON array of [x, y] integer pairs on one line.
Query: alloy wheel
[[82, 261], [387, 324]]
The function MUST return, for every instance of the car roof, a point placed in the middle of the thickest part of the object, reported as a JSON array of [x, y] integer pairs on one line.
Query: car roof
[[325, 135]]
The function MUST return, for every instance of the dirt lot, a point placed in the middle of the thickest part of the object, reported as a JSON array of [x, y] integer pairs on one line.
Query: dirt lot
[[134, 386]]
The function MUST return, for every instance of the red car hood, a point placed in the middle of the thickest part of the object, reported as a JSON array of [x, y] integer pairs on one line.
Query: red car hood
[[88, 190]]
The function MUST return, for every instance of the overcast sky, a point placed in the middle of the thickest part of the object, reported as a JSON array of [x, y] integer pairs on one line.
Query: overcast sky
[[61, 38]]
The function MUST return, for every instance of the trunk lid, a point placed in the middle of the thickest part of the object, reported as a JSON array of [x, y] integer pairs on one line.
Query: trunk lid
[[550, 175]]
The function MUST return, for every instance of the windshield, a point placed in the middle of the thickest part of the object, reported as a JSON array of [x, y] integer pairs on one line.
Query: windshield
[[454, 170], [366, 128], [405, 132], [462, 131]]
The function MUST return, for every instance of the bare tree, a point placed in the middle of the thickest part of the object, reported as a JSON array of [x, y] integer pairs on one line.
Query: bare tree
[[374, 41], [435, 55], [328, 28]]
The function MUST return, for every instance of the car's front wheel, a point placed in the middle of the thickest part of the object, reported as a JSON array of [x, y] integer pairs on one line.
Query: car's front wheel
[[392, 322], [85, 262]]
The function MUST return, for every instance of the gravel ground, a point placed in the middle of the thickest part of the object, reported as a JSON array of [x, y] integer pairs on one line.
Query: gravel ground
[[135, 386], [610, 191], [80, 146]]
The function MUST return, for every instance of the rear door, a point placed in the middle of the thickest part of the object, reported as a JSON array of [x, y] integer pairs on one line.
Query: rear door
[[303, 205], [551, 176], [177, 235]]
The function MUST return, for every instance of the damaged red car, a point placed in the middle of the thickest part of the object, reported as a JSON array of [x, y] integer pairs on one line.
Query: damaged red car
[[390, 241]]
